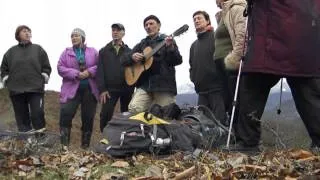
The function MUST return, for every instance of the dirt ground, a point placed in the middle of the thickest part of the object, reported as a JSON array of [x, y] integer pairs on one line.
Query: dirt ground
[[52, 108]]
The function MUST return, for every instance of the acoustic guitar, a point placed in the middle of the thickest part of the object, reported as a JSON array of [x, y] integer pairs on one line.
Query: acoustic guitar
[[134, 71]]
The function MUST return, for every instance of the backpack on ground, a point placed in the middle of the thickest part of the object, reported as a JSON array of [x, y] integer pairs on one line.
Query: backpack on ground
[[127, 135], [148, 132]]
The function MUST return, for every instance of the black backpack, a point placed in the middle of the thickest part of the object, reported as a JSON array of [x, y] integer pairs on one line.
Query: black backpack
[[127, 135], [201, 119], [146, 132]]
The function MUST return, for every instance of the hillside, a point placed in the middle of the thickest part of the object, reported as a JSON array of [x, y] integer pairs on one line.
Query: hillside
[[52, 108], [286, 127]]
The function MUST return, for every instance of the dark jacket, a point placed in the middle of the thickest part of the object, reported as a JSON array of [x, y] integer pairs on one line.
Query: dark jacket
[[110, 75], [161, 75], [203, 70], [284, 38], [23, 64]]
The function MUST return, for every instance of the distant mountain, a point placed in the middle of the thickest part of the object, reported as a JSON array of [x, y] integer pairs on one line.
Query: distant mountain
[[274, 99], [187, 88], [273, 102], [189, 99]]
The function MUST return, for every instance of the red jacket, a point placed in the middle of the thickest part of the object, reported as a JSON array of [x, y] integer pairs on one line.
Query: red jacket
[[284, 38]]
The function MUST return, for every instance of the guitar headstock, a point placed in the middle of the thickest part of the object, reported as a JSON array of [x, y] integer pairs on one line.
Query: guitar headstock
[[181, 30]]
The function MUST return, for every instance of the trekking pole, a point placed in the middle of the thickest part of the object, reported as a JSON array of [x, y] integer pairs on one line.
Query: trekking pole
[[234, 103], [280, 98], [246, 12]]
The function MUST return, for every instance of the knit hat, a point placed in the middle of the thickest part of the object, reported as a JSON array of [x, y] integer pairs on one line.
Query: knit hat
[[79, 31], [151, 17]]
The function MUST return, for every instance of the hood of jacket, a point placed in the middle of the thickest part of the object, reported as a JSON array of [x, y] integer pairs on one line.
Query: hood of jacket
[[230, 3]]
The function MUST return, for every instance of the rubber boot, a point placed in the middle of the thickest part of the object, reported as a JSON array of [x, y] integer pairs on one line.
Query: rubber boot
[[65, 138], [85, 140]]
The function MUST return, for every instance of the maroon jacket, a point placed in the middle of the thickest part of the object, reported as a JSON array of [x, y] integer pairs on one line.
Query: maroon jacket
[[284, 38]]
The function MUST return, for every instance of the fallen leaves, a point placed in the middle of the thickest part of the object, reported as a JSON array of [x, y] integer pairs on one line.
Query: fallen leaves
[[291, 164], [120, 164]]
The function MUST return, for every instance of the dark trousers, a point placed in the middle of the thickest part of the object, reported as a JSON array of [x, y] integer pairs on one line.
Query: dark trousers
[[107, 109], [88, 109], [215, 102], [28, 110], [254, 91], [229, 86]]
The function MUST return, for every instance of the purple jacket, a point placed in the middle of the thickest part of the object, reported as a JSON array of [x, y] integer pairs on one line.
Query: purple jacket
[[284, 38], [68, 69]]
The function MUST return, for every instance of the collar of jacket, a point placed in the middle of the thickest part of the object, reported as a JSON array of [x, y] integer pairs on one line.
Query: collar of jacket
[[110, 45], [204, 34], [24, 44], [70, 50], [121, 45]]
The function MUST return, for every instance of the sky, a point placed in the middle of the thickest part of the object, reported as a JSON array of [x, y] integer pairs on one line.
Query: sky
[[52, 21]]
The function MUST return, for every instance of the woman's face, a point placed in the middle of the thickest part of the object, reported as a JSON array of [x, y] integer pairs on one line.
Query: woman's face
[[25, 35], [76, 39]]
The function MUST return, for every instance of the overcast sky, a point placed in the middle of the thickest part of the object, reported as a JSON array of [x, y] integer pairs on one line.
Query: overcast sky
[[52, 21]]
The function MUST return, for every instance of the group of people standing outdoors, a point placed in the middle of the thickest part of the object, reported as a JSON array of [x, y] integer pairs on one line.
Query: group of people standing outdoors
[[268, 38]]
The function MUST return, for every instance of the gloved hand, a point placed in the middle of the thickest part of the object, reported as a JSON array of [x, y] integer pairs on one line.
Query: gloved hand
[[4, 80], [46, 77]]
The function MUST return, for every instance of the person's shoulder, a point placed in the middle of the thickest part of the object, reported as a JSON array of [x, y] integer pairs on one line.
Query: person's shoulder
[[106, 47], [68, 49], [143, 40], [13, 47], [194, 43], [37, 46], [91, 49], [211, 33], [126, 46]]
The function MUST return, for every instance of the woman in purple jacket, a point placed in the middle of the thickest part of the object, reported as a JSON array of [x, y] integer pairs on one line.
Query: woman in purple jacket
[[77, 66]]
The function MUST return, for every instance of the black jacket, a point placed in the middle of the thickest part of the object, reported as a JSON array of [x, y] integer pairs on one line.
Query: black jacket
[[203, 71], [110, 74], [161, 75], [23, 64]]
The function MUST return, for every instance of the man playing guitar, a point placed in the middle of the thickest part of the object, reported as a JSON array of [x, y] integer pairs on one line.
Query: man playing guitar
[[156, 85]]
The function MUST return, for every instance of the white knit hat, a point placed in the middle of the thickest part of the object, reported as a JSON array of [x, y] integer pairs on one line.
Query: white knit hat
[[79, 31]]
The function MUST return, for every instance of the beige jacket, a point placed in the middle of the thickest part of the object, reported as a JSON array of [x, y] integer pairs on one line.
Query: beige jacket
[[232, 15]]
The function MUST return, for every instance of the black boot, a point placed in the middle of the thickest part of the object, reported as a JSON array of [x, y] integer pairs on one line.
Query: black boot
[[85, 141], [65, 136]]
